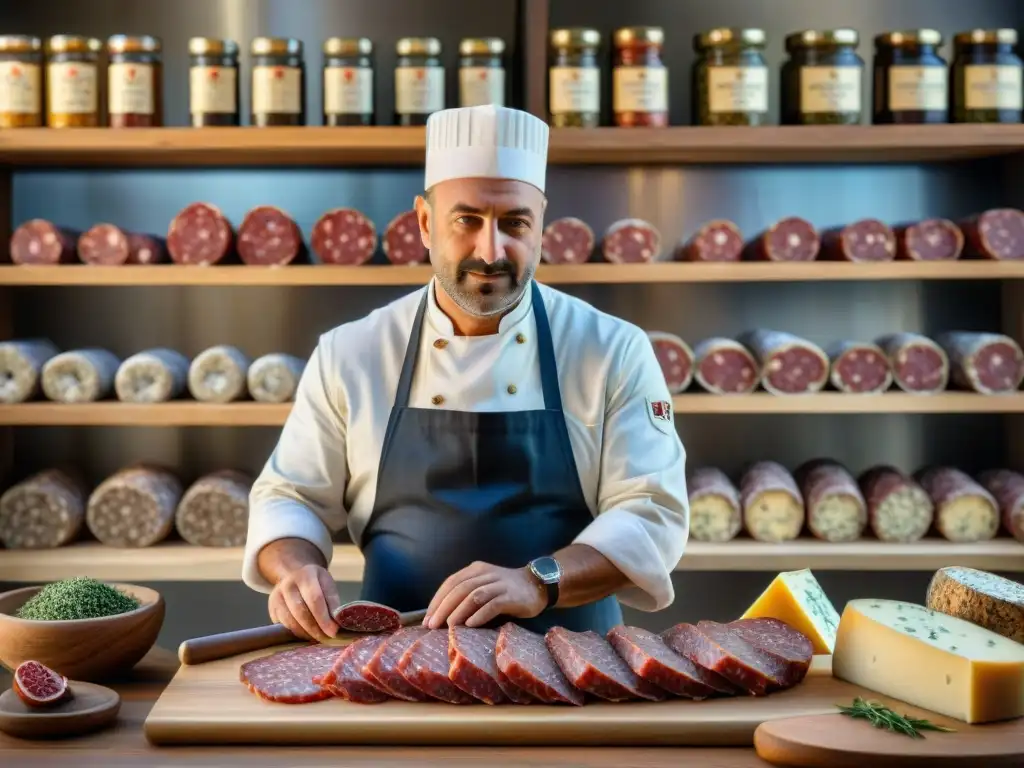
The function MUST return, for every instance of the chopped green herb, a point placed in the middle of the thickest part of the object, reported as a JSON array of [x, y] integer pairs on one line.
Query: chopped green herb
[[77, 598], [881, 716]]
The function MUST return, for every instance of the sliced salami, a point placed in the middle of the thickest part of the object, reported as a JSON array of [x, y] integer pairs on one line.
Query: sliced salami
[[365, 616], [108, 245], [722, 651], [43, 511], [214, 511], [929, 240], [473, 668], [383, 667], [200, 235], [1007, 487], [789, 239], [773, 506], [918, 364], [346, 678], [590, 663], [899, 509], [782, 643], [344, 236], [996, 234], [402, 243], [567, 241], [987, 363], [274, 378], [716, 240], [651, 659], [715, 510], [725, 367], [39, 241], [523, 657], [80, 376], [675, 358], [631, 241], [287, 677], [134, 507], [964, 510], [790, 365], [424, 665], [219, 374], [858, 367], [21, 368], [153, 376], [833, 502], [864, 240], [269, 237]]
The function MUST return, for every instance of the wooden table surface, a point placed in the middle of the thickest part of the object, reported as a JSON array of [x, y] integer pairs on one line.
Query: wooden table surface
[[124, 745]]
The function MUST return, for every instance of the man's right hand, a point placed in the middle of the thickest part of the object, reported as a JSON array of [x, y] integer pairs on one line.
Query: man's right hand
[[304, 597]]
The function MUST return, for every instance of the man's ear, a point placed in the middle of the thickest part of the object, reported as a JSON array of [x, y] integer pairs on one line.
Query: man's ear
[[423, 217]]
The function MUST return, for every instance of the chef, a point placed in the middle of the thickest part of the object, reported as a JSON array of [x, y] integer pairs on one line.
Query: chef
[[498, 450]]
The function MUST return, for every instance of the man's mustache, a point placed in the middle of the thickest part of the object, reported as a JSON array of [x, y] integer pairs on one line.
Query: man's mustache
[[502, 267]]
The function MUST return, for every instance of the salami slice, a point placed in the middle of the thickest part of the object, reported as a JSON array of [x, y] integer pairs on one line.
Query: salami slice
[[918, 364], [134, 507], [725, 367], [789, 239], [219, 374], [344, 236], [43, 511], [631, 241], [473, 668], [366, 616], [523, 657], [200, 235], [21, 368], [153, 376], [964, 510], [790, 365], [425, 666], [773, 506], [675, 358], [987, 363], [1007, 487], [383, 667], [929, 240], [346, 678], [274, 378], [108, 245], [784, 645], [269, 237], [858, 367], [590, 663], [287, 677], [833, 502], [716, 240], [214, 511], [715, 510], [567, 241], [402, 243], [39, 241], [899, 509], [996, 234], [864, 240], [80, 376], [721, 650], [651, 659]]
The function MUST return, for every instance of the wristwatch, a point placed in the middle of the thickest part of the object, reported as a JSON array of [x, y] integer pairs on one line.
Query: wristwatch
[[549, 573]]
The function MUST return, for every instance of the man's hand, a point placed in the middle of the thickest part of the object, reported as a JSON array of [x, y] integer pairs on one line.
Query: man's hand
[[481, 592], [304, 601]]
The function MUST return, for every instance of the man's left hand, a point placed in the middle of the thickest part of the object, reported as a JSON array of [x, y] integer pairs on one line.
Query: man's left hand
[[481, 592]]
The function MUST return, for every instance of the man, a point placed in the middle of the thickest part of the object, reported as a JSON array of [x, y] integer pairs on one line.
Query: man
[[498, 449]]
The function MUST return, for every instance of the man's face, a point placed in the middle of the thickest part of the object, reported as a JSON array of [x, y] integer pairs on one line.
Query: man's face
[[484, 237]]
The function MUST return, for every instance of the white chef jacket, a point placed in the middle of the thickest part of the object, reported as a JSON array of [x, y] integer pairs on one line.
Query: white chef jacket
[[322, 474]]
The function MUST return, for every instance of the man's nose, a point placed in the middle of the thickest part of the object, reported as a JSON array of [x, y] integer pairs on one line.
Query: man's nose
[[488, 243]]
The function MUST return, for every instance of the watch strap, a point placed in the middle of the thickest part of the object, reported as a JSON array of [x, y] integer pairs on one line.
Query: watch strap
[[552, 594]]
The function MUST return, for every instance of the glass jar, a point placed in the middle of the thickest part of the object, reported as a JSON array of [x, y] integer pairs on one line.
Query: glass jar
[[910, 78], [574, 78], [213, 82], [730, 78], [72, 81], [419, 80], [986, 79], [348, 81], [134, 82], [21, 81], [823, 79], [481, 71], [639, 78], [278, 82]]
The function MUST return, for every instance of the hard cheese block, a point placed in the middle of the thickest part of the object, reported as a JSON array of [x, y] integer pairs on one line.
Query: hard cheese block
[[797, 598], [981, 598], [931, 660]]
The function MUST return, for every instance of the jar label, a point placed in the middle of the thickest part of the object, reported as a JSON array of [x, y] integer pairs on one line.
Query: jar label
[[481, 85], [213, 90], [830, 89], [131, 89], [277, 90], [72, 88], [348, 91], [992, 87], [918, 89], [737, 90], [574, 90], [419, 90], [640, 89], [20, 92]]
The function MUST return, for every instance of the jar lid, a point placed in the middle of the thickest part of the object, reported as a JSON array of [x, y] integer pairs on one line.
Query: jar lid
[[481, 46], [348, 46], [631, 35], [827, 38], [20, 43], [418, 46], [73, 44], [909, 37], [275, 46], [722, 36], [575, 36], [133, 44], [199, 46], [987, 36]]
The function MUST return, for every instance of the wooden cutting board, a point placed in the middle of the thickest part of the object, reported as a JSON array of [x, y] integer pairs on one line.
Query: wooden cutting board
[[207, 704]]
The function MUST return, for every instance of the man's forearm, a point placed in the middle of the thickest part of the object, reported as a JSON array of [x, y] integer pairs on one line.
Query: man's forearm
[[587, 576], [281, 557]]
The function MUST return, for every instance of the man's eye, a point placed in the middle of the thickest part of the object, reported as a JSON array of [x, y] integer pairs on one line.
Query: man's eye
[[518, 223], [464, 220]]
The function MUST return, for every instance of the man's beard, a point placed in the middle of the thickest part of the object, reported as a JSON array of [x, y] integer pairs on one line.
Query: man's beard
[[485, 299]]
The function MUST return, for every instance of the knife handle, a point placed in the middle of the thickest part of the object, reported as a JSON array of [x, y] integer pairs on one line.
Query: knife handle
[[199, 650], [412, 617]]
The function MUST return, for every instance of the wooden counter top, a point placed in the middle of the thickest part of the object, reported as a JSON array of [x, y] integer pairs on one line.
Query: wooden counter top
[[125, 745]]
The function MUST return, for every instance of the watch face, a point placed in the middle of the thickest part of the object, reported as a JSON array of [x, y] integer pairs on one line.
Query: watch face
[[547, 569]]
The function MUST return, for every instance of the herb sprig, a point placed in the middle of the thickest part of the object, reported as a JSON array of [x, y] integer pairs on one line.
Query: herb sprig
[[882, 716]]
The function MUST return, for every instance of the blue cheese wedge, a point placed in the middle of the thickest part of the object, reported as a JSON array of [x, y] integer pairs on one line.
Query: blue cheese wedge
[[796, 598], [981, 598]]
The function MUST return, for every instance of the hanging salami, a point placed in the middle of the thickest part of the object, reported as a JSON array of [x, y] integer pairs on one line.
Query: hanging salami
[[344, 236], [108, 245], [996, 234], [773, 506], [219, 374], [918, 364], [43, 511], [899, 509], [789, 239], [631, 241], [675, 358], [790, 365], [964, 510], [858, 367], [1007, 487], [716, 240], [21, 368], [567, 241], [834, 505], [274, 378], [214, 511], [153, 376], [929, 240], [725, 367], [715, 510], [864, 240], [80, 376], [39, 241], [269, 237], [134, 507], [200, 235], [987, 363], [402, 243]]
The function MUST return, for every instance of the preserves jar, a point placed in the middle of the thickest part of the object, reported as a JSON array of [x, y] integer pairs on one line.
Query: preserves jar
[[639, 78], [823, 79], [213, 82], [134, 82], [574, 78], [910, 78], [348, 81], [419, 80], [730, 77], [278, 82], [21, 81], [72, 81], [481, 71], [986, 79]]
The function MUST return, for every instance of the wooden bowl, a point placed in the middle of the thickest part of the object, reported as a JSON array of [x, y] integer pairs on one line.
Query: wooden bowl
[[83, 649]]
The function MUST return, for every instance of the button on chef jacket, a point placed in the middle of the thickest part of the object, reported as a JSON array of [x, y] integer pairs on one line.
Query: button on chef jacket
[[322, 474]]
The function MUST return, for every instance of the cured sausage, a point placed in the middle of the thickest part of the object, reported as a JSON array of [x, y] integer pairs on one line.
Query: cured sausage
[[108, 245], [996, 234], [523, 657], [789, 239], [269, 237], [675, 358], [344, 236], [471, 663], [424, 665], [39, 241], [287, 677], [899, 509], [214, 511], [80, 376], [964, 510], [219, 374], [631, 241], [716, 240], [864, 240], [153, 376], [781, 642], [200, 235], [402, 243], [346, 679], [590, 663], [274, 378], [651, 659], [21, 368], [567, 241], [43, 511], [987, 363], [773, 506], [858, 367], [833, 502], [715, 510], [918, 364], [929, 240], [1007, 487], [725, 367], [789, 364], [134, 507]]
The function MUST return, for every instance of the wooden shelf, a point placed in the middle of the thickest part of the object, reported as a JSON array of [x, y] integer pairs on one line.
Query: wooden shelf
[[185, 413], [840, 403]]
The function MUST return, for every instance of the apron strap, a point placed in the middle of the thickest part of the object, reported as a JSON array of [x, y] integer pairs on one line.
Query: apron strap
[[412, 353]]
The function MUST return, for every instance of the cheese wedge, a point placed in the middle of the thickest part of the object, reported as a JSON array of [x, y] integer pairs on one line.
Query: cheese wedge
[[797, 598], [930, 660], [979, 597]]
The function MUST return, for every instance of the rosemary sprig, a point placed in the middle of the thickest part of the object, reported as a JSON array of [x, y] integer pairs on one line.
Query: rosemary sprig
[[881, 716]]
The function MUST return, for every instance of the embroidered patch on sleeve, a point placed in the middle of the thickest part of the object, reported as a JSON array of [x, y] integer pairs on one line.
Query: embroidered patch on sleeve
[[660, 414]]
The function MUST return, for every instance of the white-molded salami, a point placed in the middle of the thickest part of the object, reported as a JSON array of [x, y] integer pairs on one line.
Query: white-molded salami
[[269, 237], [929, 240], [716, 240], [1007, 487], [567, 241], [996, 234], [716, 513], [80, 375], [219, 374], [43, 511], [675, 358], [152, 376], [108, 245], [918, 364], [725, 367], [214, 511], [39, 241], [773, 506], [200, 235], [789, 365], [134, 507], [987, 363], [402, 243], [631, 241], [274, 378], [899, 509], [21, 368], [834, 505], [788, 239], [863, 240], [964, 510], [344, 236], [858, 367]]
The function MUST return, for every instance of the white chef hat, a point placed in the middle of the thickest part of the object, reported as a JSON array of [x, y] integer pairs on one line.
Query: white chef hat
[[486, 142]]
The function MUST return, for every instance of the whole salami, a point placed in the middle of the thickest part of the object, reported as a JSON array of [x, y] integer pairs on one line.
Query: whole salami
[[219, 374], [929, 240], [918, 364], [344, 236], [402, 243], [773, 506], [200, 235], [108, 245], [43, 511], [899, 509], [716, 240], [631, 241], [567, 241], [153, 376], [858, 367], [269, 237], [1007, 486], [789, 364], [996, 234], [274, 378], [134, 507], [675, 358], [789, 239], [964, 510], [214, 511], [39, 241], [864, 240], [21, 368], [725, 367], [715, 510], [80, 376], [835, 507], [987, 363]]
